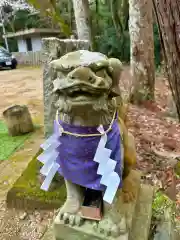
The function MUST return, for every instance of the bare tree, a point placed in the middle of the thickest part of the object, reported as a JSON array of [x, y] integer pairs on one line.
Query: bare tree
[[168, 19], [82, 17], [142, 49]]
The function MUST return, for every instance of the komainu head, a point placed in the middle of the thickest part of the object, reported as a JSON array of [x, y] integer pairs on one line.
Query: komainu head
[[85, 80]]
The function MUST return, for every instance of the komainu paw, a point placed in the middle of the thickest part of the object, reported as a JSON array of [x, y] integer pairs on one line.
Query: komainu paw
[[72, 219], [109, 228]]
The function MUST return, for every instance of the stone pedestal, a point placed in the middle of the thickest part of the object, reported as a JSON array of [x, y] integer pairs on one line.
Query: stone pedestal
[[85, 232], [138, 217], [54, 48]]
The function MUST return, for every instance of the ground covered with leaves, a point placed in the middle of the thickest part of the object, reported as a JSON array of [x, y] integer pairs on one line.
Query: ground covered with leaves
[[157, 136]]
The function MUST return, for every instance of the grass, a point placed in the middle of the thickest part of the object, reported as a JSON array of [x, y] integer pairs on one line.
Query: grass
[[8, 144]]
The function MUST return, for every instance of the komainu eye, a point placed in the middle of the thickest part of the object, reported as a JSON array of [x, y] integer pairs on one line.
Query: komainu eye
[[91, 79]]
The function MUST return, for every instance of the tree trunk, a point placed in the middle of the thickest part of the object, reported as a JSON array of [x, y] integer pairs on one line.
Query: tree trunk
[[142, 49], [82, 16], [115, 17], [18, 120], [168, 19], [71, 14]]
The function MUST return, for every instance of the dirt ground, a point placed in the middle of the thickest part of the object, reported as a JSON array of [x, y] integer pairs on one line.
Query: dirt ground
[[22, 86]]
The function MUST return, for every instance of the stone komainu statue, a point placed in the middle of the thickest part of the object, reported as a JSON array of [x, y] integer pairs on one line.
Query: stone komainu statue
[[90, 147]]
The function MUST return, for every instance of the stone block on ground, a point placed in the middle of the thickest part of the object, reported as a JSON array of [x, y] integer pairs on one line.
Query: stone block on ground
[[84, 232], [26, 193], [167, 229], [18, 120], [143, 213]]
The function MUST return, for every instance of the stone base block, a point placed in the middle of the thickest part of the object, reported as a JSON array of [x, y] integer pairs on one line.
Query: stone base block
[[26, 193], [143, 213], [139, 222], [88, 230], [85, 232]]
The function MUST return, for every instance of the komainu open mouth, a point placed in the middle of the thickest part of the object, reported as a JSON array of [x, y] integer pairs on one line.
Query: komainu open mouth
[[79, 93], [82, 93]]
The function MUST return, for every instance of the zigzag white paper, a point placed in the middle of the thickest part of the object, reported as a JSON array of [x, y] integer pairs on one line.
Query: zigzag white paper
[[52, 171], [48, 158], [106, 168]]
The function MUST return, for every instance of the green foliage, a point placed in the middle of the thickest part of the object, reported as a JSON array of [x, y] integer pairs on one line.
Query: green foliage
[[50, 9], [23, 20], [113, 46], [105, 28]]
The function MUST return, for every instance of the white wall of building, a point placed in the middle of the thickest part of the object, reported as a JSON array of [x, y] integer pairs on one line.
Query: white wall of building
[[36, 42], [21, 45]]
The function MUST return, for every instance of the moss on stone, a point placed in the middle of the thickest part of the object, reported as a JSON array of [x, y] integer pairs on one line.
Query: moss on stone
[[160, 203], [27, 187]]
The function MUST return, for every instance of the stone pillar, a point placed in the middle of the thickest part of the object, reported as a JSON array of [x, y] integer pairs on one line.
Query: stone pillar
[[54, 48]]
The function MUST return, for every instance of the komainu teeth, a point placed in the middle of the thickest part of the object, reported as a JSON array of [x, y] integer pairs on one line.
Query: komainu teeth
[[84, 89]]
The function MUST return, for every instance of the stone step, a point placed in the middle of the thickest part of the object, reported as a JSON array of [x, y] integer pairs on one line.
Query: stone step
[[143, 214]]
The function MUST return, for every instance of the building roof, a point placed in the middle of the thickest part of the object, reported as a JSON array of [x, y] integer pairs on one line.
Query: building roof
[[32, 31]]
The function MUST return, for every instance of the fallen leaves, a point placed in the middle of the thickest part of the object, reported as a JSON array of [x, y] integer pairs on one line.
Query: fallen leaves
[[157, 142], [169, 143]]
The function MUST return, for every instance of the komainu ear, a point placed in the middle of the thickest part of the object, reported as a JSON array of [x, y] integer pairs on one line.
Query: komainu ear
[[115, 66], [116, 69]]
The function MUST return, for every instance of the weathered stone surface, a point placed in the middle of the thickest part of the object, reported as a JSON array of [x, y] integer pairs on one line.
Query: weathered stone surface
[[49, 234], [88, 230], [54, 48], [143, 212], [166, 229], [26, 193], [18, 120], [138, 231]]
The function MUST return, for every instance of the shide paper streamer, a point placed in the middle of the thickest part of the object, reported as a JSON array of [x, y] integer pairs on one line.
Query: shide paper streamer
[[106, 168], [48, 158]]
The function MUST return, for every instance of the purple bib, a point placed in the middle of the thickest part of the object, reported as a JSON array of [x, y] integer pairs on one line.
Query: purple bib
[[77, 158], [76, 154]]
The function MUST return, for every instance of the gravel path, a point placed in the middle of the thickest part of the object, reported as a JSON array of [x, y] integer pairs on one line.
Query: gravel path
[[18, 225]]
